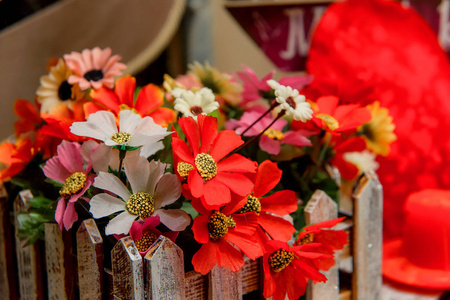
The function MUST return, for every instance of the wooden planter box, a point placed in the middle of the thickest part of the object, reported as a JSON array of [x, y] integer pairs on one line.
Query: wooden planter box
[[54, 272]]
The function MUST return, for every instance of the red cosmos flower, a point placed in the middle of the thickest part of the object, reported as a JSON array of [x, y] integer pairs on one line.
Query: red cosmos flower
[[287, 269], [271, 208], [221, 232], [329, 239], [348, 170], [337, 118], [14, 157], [211, 175], [30, 119], [148, 102]]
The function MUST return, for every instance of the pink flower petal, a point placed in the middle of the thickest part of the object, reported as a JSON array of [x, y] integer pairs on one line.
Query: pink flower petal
[[269, 145]]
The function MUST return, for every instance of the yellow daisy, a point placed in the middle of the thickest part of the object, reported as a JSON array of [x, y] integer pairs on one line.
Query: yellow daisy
[[379, 132], [223, 85], [55, 90]]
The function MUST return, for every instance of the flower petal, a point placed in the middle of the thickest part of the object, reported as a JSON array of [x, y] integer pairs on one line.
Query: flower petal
[[120, 224], [109, 182], [103, 205], [128, 121], [225, 142], [205, 258], [238, 183], [215, 194], [269, 145], [137, 170], [70, 215], [168, 190], [53, 169], [280, 203], [59, 213], [277, 227], [174, 219], [200, 229], [267, 178]]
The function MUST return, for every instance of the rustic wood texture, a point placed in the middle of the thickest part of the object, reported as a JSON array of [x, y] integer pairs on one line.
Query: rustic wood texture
[[8, 288], [164, 264], [322, 208], [90, 261], [196, 286], [224, 284], [127, 267], [28, 257], [251, 276], [367, 239]]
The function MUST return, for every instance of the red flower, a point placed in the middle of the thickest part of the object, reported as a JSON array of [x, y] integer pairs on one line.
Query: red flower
[[221, 232], [337, 118], [271, 208], [211, 175], [287, 269], [149, 101], [329, 239], [348, 170], [15, 157]]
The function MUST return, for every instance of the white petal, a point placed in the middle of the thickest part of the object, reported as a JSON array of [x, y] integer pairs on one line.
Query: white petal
[[273, 84], [128, 121], [157, 170], [100, 158], [174, 219], [138, 171], [103, 205], [168, 190], [87, 150], [120, 224], [151, 148], [148, 127], [100, 125], [113, 184]]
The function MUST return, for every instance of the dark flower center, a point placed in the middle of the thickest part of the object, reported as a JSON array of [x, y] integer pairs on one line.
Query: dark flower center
[[291, 102], [147, 239], [252, 204], [218, 225], [368, 132], [65, 91], [306, 239], [196, 110], [94, 75], [280, 259]]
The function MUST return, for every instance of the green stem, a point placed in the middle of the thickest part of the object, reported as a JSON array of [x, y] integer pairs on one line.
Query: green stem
[[122, 154]]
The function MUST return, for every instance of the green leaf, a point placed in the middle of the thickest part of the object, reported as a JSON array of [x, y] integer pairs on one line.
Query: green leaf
[[189, 209]]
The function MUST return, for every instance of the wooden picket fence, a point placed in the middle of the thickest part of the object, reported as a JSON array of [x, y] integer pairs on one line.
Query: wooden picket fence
[[54, 271]]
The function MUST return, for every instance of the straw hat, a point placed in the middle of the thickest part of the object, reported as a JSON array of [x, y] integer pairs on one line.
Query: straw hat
[[421, 257]]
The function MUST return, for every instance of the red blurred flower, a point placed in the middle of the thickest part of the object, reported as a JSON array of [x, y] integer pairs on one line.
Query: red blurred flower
[[347, 169], [211, 175], [148, 102], [287, 269], [224, 235], [14, 157], [29, 118], [330, 240]]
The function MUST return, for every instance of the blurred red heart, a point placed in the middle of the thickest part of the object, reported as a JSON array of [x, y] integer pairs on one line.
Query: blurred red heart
[[393, 49]]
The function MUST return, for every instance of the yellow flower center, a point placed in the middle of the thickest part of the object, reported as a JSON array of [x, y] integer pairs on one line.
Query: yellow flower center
[[147, 239], [274, 134], [218, 225], [141, 204], [280, 259], [184, 168], [252, 204], [74, 183], [330, 122], [121, 137], [306, 239], [206, 166]]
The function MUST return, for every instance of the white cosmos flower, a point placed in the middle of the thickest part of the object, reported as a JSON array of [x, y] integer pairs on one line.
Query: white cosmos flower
[[365, 160], [134, 131], [291, 101], [192, 104], [151, 189]]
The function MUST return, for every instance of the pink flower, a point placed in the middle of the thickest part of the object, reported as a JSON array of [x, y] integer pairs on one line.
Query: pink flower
[[272, 139], [94, 68], [71, 168], [255, 89]]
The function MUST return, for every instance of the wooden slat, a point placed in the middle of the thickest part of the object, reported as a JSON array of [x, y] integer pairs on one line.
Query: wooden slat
[[196, 286], [224, 284], [367, 240], [127, 267], [28, 257], [90, 260], [164, 264], [54, 257], [251, 276], [322, 208], [8, 288]]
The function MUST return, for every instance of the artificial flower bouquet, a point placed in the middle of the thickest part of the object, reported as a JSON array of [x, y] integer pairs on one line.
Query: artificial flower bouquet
[[223, 164]]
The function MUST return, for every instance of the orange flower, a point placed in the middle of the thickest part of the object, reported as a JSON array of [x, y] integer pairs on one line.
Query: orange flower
[[15, 157]]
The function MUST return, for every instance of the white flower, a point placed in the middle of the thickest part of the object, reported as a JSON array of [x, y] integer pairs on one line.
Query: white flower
[[151, 189], [134, 131], [365, 160], [291, 101], [192, 104]]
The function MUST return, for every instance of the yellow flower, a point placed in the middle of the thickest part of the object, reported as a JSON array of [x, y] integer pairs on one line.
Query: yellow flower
[[379, 132], [222, 84], [55, 90]]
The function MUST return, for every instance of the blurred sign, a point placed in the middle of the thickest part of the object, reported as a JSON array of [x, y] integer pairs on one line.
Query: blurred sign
[[283, 30]]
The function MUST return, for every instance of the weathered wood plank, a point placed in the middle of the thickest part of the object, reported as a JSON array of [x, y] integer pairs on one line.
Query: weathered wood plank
[[28, 257], [8, 284], [127, 267], [164, 264], [367, 239], [224, 284], [90, 261], [322, 208], [251, 276], [196, 286]]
